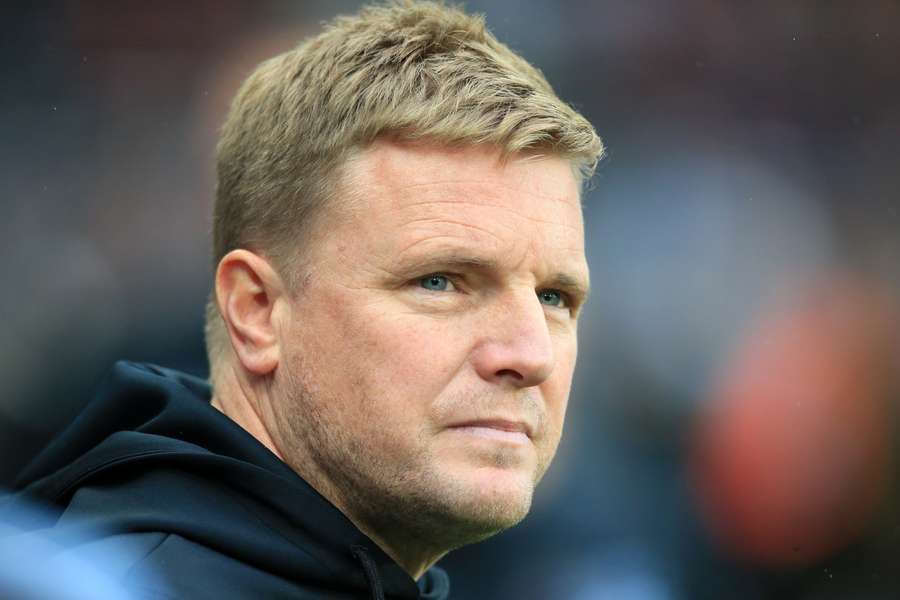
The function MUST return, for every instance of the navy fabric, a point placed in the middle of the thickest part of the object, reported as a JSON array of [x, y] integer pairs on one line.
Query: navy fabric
[[150, 455]]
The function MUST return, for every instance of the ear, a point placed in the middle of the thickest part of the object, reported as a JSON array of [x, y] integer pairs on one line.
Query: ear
[[249, 291]]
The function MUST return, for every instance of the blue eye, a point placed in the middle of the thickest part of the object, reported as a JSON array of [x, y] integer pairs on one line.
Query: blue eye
[[436, 283], [551, 298]]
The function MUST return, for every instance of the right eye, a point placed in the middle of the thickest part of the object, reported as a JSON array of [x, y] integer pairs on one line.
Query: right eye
[[436, 282]]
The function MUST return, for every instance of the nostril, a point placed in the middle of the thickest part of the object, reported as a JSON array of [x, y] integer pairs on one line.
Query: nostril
[[510, 373]]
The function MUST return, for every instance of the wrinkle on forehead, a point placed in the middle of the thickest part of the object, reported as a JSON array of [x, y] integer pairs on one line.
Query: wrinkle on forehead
[[450, 201], [432, 229], [502, 238], [408, 198], [545, 195], [465, 211], [381, 162], [458, 192]]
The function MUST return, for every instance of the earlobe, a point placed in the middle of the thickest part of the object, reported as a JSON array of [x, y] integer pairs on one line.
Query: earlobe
[[248, 290]]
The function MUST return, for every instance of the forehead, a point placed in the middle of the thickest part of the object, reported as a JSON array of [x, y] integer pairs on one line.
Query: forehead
[[403, 164], [390, 177], [403, 198]]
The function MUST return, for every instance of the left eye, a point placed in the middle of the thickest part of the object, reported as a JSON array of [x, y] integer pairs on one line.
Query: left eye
[[551, 298], [435, 282]]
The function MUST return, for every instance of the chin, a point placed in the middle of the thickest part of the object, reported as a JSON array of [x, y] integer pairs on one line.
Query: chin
[[490, 501], [486, 520]]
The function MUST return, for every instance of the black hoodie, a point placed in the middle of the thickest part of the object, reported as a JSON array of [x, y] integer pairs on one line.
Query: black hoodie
[[193, 506]]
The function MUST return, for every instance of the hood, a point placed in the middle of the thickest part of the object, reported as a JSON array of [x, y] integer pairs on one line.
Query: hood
[[176, 464]]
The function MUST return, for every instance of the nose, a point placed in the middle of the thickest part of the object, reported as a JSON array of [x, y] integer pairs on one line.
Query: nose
[[515, 346]]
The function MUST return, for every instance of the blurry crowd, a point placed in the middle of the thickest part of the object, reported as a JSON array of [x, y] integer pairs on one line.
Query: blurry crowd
[[731, 431]]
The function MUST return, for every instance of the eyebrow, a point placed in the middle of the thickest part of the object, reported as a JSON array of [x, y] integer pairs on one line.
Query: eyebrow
[[572, 284]]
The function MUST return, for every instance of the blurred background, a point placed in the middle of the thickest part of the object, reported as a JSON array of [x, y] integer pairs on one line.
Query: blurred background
[[733, 422]]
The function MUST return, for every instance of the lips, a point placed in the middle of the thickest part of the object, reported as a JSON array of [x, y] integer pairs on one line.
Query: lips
[[500, 426]]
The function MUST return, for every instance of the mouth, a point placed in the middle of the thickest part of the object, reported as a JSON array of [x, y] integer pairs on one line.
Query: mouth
[[497, 429]]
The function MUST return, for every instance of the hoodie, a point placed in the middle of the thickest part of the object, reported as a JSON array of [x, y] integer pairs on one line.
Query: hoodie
[[193, 506]]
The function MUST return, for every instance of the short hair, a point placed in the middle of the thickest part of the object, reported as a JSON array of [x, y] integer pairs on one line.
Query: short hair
[[415, 70]]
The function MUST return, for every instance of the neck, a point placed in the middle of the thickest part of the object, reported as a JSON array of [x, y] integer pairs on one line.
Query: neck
[[413, 556], [238, 400], [232, 398], [414, 552]]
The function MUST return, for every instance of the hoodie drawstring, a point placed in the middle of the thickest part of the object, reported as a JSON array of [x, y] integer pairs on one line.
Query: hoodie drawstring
[[371, 571]]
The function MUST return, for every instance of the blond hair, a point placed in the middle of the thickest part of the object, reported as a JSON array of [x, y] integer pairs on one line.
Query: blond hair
[[417, 70]]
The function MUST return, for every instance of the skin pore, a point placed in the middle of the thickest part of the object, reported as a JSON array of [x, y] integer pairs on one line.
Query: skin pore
[[419, 376]]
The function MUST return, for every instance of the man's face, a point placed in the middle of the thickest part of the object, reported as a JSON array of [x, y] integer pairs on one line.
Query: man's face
[[429, 352]]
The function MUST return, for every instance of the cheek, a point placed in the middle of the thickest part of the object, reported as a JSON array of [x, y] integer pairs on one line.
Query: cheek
[[414, 358], [556, 389], [400, 361]]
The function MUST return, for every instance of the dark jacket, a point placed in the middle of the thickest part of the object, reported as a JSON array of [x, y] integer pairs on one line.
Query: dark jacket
[[193, 506]]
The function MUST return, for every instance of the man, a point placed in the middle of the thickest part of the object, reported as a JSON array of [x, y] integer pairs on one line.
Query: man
[[392, 332]]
